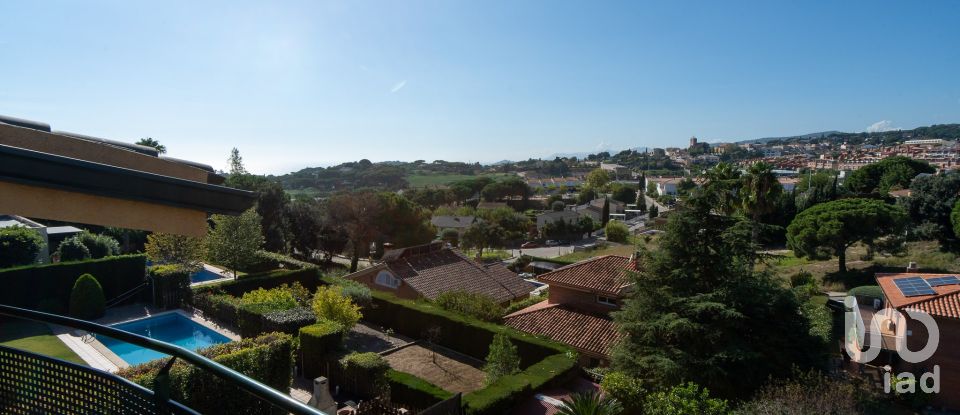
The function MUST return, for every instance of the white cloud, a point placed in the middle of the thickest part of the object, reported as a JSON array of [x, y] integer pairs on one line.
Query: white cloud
[[398, 86], [881, 126]]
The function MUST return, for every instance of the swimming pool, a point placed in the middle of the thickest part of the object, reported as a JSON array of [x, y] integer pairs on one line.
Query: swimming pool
[[171, 327], [204, 275]]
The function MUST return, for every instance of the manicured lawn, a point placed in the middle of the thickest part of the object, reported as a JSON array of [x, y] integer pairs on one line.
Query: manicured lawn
[[36, 338]]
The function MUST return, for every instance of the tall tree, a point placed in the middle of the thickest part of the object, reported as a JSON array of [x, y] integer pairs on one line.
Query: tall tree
[[605, 212], [700, 312], [233, 241], [760, 193], [150, 142], [235, 163], [402, 222], [930, 204], [828, 229], [723, 184], [889, 172], [598, 179], [482, 235], [186, 251], [357, 213]]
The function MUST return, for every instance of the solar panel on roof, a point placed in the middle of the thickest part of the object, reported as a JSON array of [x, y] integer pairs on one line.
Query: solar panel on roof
[[947, 280], [913, 286]]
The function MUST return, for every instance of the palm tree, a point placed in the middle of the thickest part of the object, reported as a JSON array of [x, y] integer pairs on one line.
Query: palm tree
[[760, 193], [590, 403], [722, 183], [150, 142]]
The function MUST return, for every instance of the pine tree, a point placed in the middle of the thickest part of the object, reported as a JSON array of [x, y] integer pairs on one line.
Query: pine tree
[[701, 313], [502, 360]]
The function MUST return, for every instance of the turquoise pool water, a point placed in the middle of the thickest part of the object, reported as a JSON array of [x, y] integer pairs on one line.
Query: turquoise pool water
[[172, 328], [204, 275]]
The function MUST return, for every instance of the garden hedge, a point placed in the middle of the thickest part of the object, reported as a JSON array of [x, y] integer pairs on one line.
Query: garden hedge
[[266, 359], [48, 286], [542, 361], [458, 332], [171, 286], [86, 299], [868, 291], [252, 323], [407, 389], [317, 341], [308, 277], [364, 374]]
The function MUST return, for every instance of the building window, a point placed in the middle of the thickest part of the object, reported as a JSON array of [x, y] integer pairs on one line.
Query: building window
[[607, 300], [385, 279]]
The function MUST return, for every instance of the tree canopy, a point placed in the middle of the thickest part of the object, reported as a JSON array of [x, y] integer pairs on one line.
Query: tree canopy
[[828, 229], [701, 312], [889, 173], [19, 246], [930, 204], [150, 142], [233, 241]]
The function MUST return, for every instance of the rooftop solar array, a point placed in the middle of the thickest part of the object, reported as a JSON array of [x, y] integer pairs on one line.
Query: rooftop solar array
[[948, 280], [913, 286]]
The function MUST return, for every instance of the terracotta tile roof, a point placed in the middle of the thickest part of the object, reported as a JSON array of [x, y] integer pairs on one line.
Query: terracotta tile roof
[[608, 274], [945, 303], [585, 331], [436, 271]]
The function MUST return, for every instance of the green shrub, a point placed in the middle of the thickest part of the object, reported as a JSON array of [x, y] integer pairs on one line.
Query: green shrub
[[801, 278], [616, 232], [283, 321], [223, 308], [358, 293], [365, 373], [407, 389], [629, 390], [502, 359], [19, 246], [684, 399], [171, 287], [86, 299], [28, 286], [868, 291], [72, 249], [100, 246], [308, 277], [526, 302], [266, 359], [330, 304], [316, 342], [274, 299], [472, 304]]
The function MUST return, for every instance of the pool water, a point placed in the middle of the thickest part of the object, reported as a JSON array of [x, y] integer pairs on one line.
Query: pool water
[[171, 328], [204, 275]]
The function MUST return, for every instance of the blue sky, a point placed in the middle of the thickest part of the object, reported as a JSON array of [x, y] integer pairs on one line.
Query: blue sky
[[295, 84]]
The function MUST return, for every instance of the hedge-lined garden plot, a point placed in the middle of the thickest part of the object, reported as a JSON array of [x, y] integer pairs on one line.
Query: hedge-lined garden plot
[[455, 372]]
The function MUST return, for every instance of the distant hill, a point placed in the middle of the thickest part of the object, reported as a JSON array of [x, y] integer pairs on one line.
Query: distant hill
[[804, 137]]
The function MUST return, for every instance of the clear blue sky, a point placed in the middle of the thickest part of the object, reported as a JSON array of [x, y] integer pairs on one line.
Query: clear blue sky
[[293, 84]]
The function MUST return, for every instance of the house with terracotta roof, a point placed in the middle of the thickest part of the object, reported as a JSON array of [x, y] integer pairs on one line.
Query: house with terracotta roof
[[426, 271], [577, 310], [937, 295]]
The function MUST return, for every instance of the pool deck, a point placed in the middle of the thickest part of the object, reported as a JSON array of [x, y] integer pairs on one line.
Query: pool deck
[[98, 356]]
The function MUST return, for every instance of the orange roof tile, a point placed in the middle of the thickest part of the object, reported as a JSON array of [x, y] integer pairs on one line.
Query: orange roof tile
[[608, 274], [945, 303], [585, 331]]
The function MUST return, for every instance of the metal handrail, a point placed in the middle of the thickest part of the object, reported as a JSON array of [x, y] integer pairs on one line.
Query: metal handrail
[[256, 388]]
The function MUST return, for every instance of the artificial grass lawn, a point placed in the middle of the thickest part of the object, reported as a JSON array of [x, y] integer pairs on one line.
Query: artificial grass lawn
[[36, 338]]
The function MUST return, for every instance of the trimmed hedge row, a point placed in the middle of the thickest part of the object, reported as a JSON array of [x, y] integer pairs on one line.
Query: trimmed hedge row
[[308, 277], [223, 308], [171, 286], [317, 343], [266, 358], [543, 361], [407, 389], [48, 286], [252, 323], [458, 332], [266, 261]]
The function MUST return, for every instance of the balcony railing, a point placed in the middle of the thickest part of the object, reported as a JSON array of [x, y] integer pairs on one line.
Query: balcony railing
[[32, 383]]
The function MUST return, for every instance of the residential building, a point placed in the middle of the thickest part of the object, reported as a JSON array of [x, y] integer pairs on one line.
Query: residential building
[[577, 310], [568, 216], [938, 296], [665, 185], [52, 236], [426, 271], [457, 223]]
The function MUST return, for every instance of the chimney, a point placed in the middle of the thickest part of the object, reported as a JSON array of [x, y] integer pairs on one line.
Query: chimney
[[321, 398], [913, 267]]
